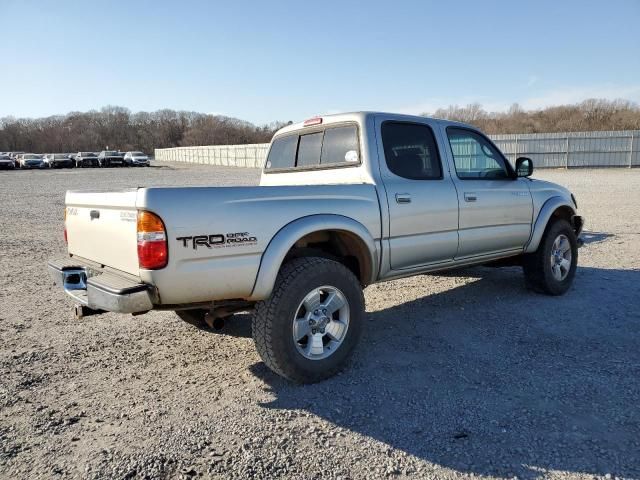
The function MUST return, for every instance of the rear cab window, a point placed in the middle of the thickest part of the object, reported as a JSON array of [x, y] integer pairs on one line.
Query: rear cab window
[[283, 153], [309, 149], [328, 147], [340, 146]]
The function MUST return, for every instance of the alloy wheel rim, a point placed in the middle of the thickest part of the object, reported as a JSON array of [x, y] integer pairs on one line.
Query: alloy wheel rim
[[561, 257], [321, 322]]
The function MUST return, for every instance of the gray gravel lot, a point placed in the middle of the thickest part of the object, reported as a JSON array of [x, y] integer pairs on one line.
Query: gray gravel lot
[[457, 375]]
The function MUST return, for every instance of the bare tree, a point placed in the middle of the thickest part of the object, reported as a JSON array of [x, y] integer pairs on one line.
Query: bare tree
[[590, 115], [120, 129]]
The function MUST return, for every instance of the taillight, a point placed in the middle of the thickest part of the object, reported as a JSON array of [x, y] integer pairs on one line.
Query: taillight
[[152, 241]]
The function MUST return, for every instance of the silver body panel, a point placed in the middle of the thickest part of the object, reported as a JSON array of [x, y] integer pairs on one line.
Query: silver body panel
[[230, 270], [436, 229]]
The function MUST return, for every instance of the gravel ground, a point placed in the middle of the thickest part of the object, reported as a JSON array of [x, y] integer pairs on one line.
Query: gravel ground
[[463, 374]]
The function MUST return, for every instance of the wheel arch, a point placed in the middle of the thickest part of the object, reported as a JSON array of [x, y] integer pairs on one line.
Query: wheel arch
[[554, 207], [336, 236]]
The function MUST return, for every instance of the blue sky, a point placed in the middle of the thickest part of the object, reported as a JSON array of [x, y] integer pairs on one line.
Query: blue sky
[[289, 60]]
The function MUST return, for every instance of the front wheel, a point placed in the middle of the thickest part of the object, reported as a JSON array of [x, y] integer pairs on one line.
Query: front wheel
[[552, 267], [309, 326]]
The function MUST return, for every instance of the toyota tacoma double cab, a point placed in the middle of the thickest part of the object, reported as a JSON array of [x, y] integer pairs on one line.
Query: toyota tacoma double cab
[[344, 201]]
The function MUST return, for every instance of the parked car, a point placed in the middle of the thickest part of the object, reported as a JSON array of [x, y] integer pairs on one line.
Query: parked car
[[136, 159], [111, 158], [31, 160], [6, 162], [86, 159], [58, 160], [344, 201], [14, 156]]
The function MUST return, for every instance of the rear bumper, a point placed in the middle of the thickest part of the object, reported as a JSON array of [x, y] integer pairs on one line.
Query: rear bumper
[[98, 289]]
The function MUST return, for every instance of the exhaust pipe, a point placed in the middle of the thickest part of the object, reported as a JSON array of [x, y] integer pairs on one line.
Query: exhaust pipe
[[214, 322]]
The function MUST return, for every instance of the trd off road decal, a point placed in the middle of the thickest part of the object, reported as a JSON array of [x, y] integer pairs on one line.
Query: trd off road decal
[[128, 216], [218, 240]]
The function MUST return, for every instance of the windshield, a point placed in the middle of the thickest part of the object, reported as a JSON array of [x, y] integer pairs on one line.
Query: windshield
[[5, 157], [110, 153], [58, 156], [137, 154], [87, 154], [32, 156]]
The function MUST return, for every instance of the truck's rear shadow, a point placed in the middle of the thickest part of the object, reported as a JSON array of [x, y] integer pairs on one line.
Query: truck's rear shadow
[[488, 378], [595, 237]]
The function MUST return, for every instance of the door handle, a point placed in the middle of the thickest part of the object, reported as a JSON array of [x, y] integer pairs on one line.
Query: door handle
[[470, 197], [403, 198]]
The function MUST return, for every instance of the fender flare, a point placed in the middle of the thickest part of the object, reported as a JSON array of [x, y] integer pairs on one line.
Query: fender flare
[[288, 235], [547, 210]]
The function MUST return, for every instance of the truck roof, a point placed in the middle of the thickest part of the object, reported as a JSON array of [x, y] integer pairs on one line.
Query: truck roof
[[362, 116]]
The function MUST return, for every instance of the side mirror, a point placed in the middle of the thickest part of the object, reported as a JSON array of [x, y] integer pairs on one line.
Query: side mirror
[[524, 167]]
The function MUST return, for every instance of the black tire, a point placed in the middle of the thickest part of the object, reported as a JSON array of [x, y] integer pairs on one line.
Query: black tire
[[273, 319], [537, 266]]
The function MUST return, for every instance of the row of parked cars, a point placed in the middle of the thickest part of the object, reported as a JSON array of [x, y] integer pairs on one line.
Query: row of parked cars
[[105, 159]]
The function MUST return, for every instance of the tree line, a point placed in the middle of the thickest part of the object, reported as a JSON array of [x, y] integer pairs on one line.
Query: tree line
[[118, 128], [590, 115]]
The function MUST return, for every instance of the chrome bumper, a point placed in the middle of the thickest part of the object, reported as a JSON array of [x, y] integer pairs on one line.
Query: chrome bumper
[[98, 289]]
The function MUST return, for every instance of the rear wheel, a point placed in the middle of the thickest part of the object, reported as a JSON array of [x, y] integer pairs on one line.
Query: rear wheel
[[309, 326], [552, 267]]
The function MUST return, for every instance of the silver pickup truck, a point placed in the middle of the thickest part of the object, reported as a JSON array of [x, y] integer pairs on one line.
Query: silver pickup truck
[[344, 201]]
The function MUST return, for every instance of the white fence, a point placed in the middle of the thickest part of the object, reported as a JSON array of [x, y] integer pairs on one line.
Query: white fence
[[248, 156], [547, 150], [575, 149]]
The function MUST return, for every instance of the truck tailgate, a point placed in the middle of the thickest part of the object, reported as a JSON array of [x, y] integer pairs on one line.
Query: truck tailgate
[[101, 226]]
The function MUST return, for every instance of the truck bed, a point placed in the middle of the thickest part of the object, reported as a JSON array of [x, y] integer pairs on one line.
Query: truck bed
[[216, 235]]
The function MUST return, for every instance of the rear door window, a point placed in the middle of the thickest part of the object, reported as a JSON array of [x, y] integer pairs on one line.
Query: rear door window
[[340, 145], [410, 151], [283, 152]]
